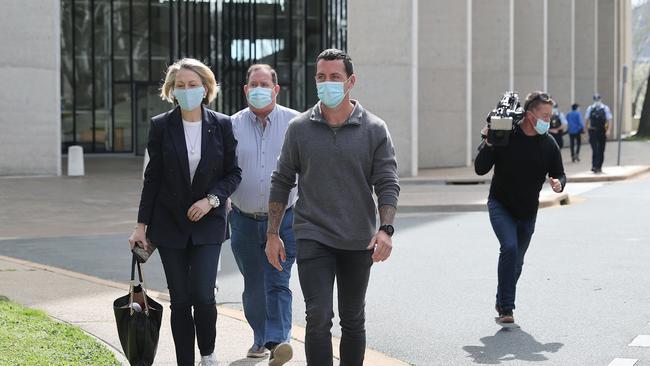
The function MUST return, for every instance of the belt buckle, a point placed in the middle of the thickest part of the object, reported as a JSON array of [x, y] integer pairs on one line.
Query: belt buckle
[[260, 215]]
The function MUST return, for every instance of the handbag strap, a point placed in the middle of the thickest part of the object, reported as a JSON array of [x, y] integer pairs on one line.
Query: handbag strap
[[134, 263]]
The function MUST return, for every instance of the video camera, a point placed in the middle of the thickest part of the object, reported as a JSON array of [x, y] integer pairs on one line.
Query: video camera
[[503, 119]]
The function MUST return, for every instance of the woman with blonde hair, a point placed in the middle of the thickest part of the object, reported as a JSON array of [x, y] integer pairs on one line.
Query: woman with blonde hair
[[191, 173]]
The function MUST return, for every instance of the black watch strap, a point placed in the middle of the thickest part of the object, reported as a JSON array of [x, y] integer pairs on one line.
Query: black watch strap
[[388, 229]]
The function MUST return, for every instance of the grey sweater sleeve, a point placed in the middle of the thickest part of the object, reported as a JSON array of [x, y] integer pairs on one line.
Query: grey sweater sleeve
[[283, 179], [384, 171]]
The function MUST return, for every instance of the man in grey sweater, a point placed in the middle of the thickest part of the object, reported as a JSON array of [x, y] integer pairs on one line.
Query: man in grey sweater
[[341, 153]]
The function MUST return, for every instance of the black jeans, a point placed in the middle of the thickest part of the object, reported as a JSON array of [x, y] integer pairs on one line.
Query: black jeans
[[318, 265], [191, 274], [575, 140], [597, 140]]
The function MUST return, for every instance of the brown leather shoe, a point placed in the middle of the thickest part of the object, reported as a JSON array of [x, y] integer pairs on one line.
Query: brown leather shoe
[[505, 317]]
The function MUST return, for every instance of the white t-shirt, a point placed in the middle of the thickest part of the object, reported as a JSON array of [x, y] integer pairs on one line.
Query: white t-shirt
[[193, 142]]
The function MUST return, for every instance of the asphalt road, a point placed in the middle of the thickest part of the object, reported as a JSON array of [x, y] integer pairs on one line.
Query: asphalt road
[[583, 296]]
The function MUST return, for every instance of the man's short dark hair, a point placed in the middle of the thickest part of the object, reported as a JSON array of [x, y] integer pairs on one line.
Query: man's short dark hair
[[574, 106], [333, 54], [255, 67], [536, 98]]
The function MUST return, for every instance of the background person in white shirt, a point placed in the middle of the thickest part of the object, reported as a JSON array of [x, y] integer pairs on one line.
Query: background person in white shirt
[[259, 130]]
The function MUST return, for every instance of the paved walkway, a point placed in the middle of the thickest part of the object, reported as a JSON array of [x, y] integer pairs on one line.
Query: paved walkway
[[460, 189], [86, 302], [105, 202]]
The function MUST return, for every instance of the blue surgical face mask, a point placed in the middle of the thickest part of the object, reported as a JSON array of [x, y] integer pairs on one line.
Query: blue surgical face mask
[[331, 93], [189, 99], [542, 126], [259, 97]]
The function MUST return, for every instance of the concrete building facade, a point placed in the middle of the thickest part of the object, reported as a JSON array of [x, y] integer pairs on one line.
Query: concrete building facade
[[463, 55], [432, 69], [30, 95]]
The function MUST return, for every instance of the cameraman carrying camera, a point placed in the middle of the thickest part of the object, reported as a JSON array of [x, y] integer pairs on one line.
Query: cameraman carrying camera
[[520, 169]]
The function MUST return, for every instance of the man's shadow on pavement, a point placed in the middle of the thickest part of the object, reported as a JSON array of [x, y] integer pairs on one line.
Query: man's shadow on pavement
[[508, 345]]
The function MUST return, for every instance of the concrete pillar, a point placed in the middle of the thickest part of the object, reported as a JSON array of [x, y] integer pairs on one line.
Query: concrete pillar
[[607, 78], [382, 41], [443, 90], [529, 52], [614, 35], [30, 97], [625, 57], [560, 68], [490, 60], [585, 50]]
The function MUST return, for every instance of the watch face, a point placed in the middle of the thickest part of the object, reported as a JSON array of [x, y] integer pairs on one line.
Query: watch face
[[389, 229]]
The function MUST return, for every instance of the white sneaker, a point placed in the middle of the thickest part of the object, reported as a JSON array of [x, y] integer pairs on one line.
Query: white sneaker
[[209, 360]]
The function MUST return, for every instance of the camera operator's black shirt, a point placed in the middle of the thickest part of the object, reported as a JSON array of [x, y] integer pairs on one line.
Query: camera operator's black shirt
[[520, 170]]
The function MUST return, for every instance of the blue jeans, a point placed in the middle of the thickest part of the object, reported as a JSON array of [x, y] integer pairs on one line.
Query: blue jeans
[[514, 236], [191, 273], [266, 297]]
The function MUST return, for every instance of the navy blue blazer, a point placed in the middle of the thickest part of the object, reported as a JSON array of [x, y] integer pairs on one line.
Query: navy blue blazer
[[167, 193]]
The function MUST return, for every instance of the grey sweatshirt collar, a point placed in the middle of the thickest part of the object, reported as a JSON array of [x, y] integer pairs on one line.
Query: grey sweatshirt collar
[[354, 119]]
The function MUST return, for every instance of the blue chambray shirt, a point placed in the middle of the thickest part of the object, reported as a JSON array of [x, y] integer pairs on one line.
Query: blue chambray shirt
[[258, 150]]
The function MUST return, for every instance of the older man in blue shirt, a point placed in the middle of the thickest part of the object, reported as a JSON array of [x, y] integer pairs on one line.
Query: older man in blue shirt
[[260, 130]]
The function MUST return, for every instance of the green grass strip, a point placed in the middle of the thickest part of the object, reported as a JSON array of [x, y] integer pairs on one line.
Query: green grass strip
[[30, 337]]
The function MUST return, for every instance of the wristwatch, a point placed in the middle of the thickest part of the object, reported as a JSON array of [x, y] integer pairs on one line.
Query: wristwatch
[[388, 229], [213, 201]]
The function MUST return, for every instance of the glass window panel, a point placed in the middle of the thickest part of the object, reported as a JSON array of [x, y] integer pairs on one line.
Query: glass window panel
[[102, 77], [83, 67], [121, 46], [122, 134], [285, 82], [67, 130], [160, 37], [84, 123], [140, 34], [226, 34], [193, 24], [158, 70], [311, 96], [148, 104], [102, 55], [103, 82], [183, 39], [67, 97], [205, 32], [103, 131], [282, 29]]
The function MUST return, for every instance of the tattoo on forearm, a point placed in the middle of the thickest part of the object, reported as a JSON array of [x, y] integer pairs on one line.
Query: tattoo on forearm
[[276, 213], [386, 214]]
